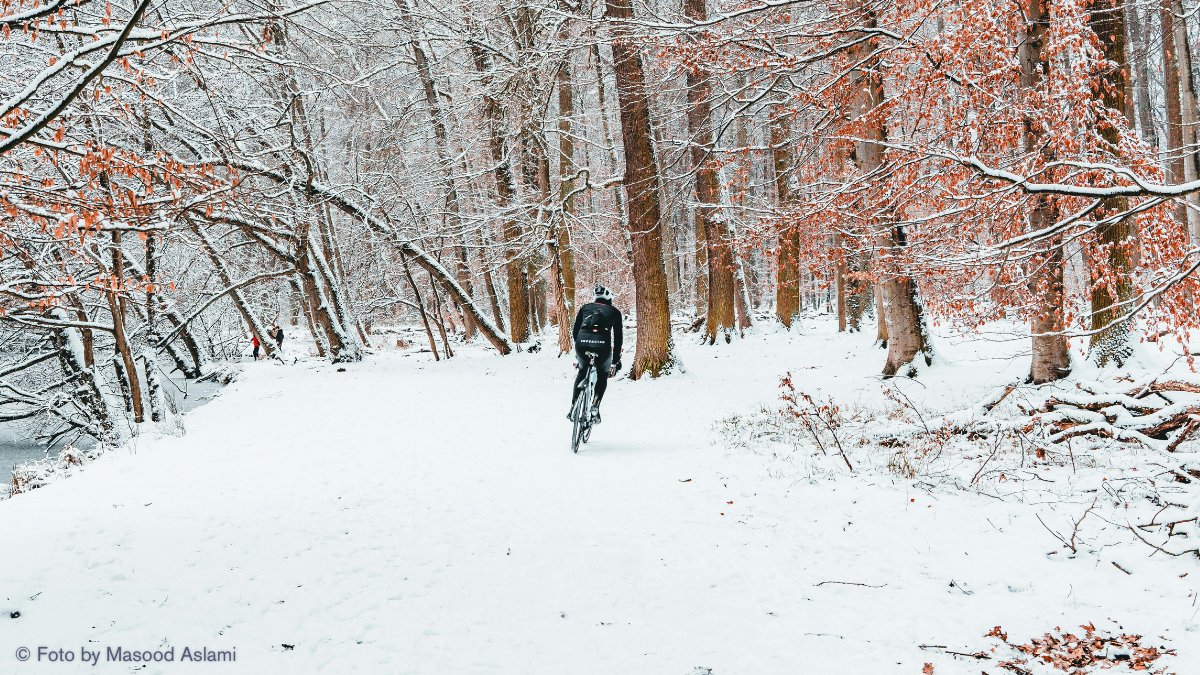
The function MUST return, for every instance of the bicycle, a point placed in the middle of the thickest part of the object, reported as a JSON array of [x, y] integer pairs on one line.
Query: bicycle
[[581, 413]]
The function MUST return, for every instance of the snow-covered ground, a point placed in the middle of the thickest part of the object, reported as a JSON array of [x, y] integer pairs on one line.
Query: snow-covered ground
[[406, 516]]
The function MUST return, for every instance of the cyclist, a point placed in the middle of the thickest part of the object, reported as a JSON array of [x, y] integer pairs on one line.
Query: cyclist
[[597, 330]]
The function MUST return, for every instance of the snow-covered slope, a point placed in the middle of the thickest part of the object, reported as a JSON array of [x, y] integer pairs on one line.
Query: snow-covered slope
[[406, 516]]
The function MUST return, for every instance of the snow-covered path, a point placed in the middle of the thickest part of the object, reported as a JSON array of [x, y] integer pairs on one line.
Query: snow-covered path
[[412, 517]]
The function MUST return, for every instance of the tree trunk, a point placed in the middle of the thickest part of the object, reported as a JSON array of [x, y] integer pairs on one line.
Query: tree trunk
[[840, 287], [437, 315], [719, 253], [90, 385], [437, 119], [1138, 44], [743, 282], [1051, 357], [309, 319], [561, 309], [566, 185], [742, 296], [667, 222], [1191, 117], [239, 301], [166, 307], [654, 345], [493, 114], [412, 283], [116, 308], [312, 278], [618, 190], [787, 275], [330, 311], [701, 265], [158, 407], [881, 332], [907, 336], [1173, 161], [126, 370], [1111, 343], [493, 297]]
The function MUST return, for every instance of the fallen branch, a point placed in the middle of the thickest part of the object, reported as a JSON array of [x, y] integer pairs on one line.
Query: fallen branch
[[1187, 430]]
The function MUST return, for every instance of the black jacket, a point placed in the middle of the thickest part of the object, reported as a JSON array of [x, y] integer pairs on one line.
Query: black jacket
[[608, 321]]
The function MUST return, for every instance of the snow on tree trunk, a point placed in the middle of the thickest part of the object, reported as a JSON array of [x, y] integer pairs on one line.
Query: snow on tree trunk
[[157, 302], [566, 185], [160, 413], [1137, 39], [342, 347], [107, 414]]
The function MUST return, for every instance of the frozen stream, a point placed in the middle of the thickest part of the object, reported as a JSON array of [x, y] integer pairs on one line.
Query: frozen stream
[[15, 449]]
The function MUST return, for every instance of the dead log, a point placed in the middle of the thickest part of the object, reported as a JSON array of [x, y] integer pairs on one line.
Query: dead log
[[1107, 431], [1170, 385], [992, 403], [1101, 401], [1165, 421]]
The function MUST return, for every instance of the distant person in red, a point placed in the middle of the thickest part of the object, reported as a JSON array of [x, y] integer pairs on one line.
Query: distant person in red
[[254, 339]]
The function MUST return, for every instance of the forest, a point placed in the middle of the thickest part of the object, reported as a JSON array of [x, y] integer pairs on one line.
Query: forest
[[176, 177], [422, 194]]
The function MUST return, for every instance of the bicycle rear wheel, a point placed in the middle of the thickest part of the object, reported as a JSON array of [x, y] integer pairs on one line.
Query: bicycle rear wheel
[[581, 420]]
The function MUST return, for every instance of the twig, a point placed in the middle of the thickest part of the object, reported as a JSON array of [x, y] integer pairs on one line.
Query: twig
[[985, 462], [849, 583], [976, 655], [1114, 563], [1194, 551], [914, 409], [1075, 529]]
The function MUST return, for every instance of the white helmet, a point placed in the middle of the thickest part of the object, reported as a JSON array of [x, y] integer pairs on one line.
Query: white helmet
[[602, 293]]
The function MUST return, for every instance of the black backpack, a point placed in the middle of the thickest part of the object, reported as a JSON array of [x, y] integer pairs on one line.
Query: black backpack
[[591, 319]]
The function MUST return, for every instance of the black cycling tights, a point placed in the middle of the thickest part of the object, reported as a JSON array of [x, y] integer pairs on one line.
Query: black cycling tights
[[603, 363]]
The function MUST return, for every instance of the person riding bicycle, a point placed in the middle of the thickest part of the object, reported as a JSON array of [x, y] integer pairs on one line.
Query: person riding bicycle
[[597, 330]]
